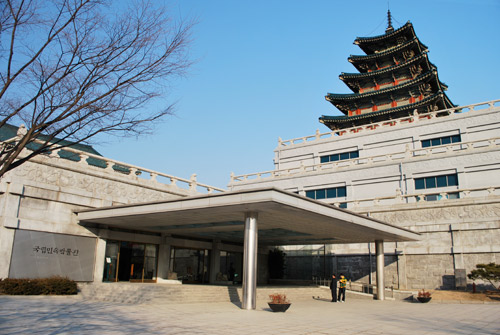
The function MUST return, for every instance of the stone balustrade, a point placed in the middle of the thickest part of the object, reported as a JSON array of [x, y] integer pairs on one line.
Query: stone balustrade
[[451, 112], [421, 197], [378, 159], [124, 170]]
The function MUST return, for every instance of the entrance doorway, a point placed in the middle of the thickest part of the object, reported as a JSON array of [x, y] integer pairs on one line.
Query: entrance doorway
[[130, 261], [191, 265]]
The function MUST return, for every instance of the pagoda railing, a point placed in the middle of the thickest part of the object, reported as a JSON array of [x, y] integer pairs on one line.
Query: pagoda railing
[[453, 148], [416, 117], [124, 170]]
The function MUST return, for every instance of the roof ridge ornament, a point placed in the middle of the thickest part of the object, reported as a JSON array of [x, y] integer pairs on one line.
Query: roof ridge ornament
[[390, 28]]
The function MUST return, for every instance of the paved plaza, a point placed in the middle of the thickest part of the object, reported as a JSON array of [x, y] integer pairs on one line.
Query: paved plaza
[[72, 315]]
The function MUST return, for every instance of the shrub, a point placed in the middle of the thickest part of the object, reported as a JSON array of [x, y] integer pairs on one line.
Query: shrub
[[278, 298], [424, 294], [489, 272], [41, 286]]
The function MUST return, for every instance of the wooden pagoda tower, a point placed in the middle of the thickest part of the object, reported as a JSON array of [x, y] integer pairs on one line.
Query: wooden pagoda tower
[[395, 79]]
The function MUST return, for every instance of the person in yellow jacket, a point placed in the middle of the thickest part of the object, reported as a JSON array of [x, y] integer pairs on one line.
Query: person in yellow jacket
[[343, 284]]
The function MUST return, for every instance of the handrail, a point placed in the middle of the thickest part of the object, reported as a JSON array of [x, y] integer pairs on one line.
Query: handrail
[[396, 156], [132, 171], [372, 126]]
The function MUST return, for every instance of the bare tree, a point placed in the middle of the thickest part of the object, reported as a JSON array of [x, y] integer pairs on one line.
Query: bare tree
[[73, 69]]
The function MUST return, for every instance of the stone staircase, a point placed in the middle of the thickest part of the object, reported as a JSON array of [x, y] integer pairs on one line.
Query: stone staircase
[[137, 293]]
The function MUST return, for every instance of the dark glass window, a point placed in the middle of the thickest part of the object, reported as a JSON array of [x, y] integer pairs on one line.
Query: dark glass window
[[311, 194], [331, 192], [419, 183], [436, 181], [430, 182], [441, 141], [321, 194], [343, 205], [344, 156], [339, 157], [441, 181], [452, 180], [327, 193]]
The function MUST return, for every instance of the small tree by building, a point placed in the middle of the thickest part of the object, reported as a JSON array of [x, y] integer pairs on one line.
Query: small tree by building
[[487, 272]]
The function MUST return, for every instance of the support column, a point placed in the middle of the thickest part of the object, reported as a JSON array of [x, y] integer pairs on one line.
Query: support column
[[250, 261], [100, 253], [214, 261], [379, 251], [163, 260]]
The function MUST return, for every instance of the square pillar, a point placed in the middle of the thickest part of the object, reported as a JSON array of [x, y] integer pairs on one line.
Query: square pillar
[[250, 244], [379, 251], [163, 260], [214, 261], [100, 253]]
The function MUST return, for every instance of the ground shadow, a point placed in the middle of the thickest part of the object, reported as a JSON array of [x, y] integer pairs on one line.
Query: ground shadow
[[234, 297]]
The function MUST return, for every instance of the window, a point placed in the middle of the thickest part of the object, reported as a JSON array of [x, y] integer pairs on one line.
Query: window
[[441, 141], [340, 157], [436, 197], [436, 181], [327, 193]]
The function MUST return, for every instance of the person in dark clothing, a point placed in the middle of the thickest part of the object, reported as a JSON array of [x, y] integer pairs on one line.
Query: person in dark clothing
[[333, 288], [343, 284]]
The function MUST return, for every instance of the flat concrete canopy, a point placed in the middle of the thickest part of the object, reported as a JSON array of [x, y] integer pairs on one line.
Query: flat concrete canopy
[[283, 219]]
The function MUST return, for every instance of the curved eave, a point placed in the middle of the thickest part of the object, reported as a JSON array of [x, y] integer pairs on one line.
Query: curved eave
[[331, 97], [362, 58], [365, 75], [342, 119], [378, 38]]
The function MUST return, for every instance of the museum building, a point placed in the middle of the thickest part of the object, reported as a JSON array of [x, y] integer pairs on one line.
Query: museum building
[[402, 153], [404, 173]]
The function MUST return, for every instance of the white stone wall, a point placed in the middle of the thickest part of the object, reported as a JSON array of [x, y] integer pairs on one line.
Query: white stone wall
[[43, 194]]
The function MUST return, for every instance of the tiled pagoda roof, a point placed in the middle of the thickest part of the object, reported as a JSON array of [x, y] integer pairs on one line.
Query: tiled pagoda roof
[[395, 77], [373, 116], [367, 43], [388, 52], [355, 96]]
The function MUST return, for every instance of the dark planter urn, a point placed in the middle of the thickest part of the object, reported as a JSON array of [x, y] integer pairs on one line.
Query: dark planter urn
[[424, 299], [278, 307]]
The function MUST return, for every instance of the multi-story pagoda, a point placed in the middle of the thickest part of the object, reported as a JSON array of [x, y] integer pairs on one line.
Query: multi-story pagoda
[[395, 79]]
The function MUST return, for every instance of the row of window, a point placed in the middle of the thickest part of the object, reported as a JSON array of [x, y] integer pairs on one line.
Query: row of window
[[327, 193], [441, 141], [420, 184], [339, 157], [425, 144], [436, 181]]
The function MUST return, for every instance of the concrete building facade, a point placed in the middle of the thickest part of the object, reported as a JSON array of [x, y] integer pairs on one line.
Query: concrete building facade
[[435, 173]]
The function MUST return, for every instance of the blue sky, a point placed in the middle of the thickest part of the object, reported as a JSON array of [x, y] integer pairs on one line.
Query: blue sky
[[264, 67]]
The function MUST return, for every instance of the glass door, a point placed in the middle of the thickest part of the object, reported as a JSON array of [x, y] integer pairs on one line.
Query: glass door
[[137, 262], [111, 261], [128, 261], [190, 265]]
